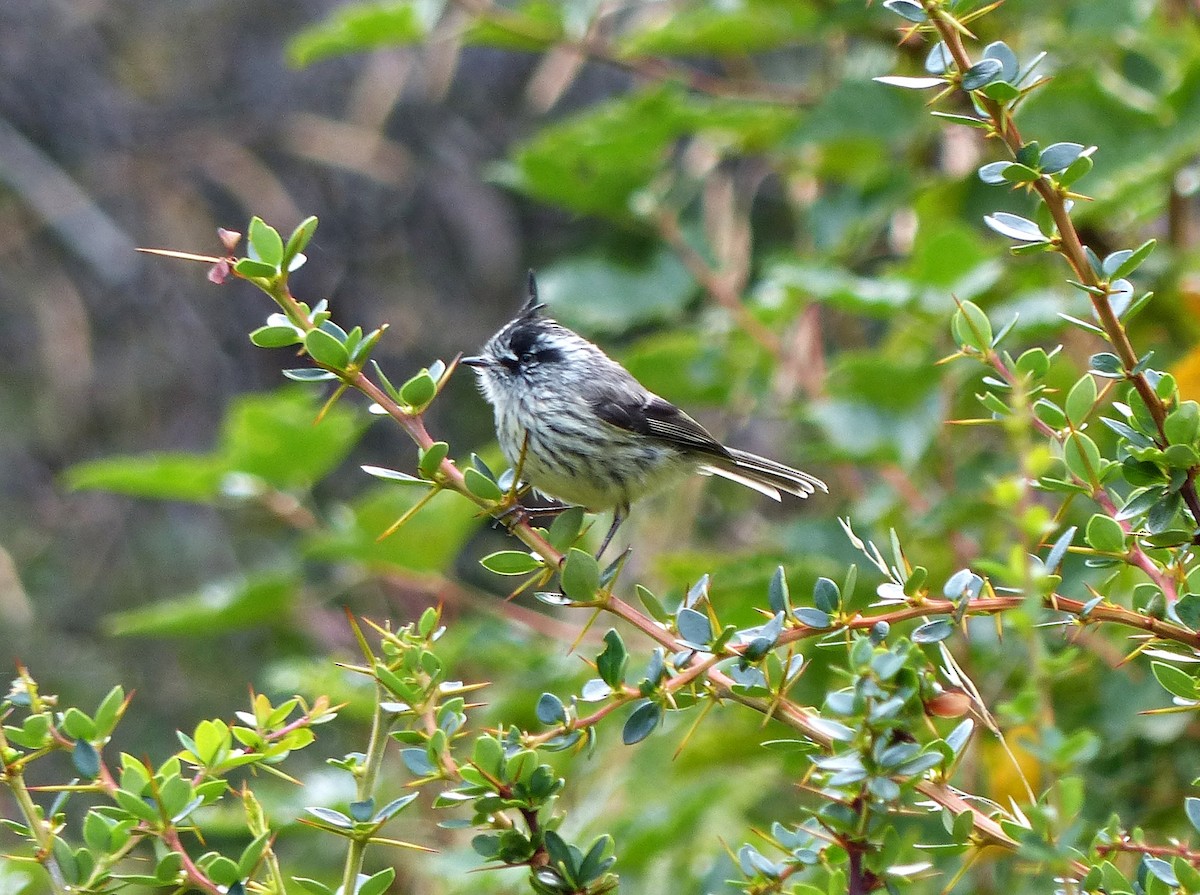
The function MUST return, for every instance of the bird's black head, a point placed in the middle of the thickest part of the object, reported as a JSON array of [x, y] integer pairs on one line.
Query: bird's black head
[[528, 341]]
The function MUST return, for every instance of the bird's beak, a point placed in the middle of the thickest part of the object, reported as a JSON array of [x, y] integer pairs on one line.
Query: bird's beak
[[476, 362]]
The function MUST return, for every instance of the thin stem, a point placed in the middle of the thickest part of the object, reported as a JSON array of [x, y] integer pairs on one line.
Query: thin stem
[[170, 838], [39, 828], [1178, 850], [366, 788]]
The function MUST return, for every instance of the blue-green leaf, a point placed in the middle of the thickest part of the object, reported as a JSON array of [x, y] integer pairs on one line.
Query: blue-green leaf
[[982, 73], [550, 709], [1015, 227], [1059, 156], [693, 626], [641, 722], [933, 632]]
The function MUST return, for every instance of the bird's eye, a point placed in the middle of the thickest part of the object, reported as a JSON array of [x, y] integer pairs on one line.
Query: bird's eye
[[529, 357]]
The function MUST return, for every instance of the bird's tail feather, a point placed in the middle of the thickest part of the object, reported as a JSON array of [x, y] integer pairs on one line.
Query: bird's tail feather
[[763, 475]]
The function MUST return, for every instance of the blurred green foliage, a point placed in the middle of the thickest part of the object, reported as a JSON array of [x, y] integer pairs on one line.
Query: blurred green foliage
[[769, 237]]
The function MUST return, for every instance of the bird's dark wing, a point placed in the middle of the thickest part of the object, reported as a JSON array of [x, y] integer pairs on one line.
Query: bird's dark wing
[[648, 414]]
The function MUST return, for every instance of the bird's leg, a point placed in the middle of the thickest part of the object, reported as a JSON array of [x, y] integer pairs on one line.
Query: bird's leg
[[518, 513], [619, 515]]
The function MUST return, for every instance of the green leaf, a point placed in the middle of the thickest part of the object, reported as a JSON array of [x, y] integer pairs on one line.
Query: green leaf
[[266, 245], [910, 10], [248, 267], [481, 486], [419, 390], [1107, 364], [358, 27], [611, 663], [276, 336], [1049, 413], [1191, 807], [966, 120], [813, 618], [933, 632], [1029, 154], [86, 759], [394, 807], [96, 831], [641, 722], [1189, 876], [488, 755], [78, 725], [1015, 227], [272, 436], [939, 59], [299, 239], [136, 806], [596, 293], [1081, 399], [565, 529], [693, 626], [596, 161], [1105, 533], [778, 596], [511, 562], [971, 327], [190, 477], [1161, 870], [428, 621], [550, 709], [331, 817], [826, 596], [1174, 681], [580, 575], [652, 604], [261, 598], [253, 853], [376, 884], [1187, 610], [1014, 173], [532, 26], [1082, 456], [1009, 66], [981, 74], [752, 26], [326, 349], [1076, 170], [486, 845], [1134, 259], [418, 762], [1059, 156], [430, 459], [269, 436], [1183, 423], [427, 542]]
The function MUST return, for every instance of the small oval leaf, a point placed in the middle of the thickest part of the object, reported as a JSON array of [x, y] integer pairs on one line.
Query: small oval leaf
[[510, 562], [933, 632], [641, 723], [326, 349]]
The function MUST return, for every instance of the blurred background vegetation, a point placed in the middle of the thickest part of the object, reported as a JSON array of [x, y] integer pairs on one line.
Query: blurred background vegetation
[[727, 201]]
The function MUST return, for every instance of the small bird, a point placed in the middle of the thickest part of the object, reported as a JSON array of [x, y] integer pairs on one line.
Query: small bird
[[579, 428]]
